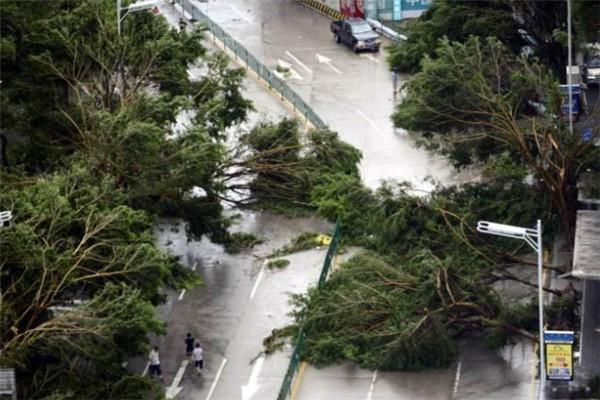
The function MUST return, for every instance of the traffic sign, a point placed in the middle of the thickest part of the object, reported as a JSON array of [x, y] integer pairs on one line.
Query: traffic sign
[[559, 355]]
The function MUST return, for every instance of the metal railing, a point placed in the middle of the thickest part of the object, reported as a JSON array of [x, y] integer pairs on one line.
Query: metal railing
[[262, 71], [288, 379], [335, 240]]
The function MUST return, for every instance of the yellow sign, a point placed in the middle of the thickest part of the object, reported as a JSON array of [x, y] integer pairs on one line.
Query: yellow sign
[[559, 361]]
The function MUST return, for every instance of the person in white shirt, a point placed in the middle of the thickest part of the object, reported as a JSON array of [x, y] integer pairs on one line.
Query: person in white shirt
[[154, 362], [198, 357]]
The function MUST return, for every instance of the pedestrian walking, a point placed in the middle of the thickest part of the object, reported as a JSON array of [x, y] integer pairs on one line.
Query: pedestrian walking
[[395, 81], [155, 363], [198, 357], [189, 345]]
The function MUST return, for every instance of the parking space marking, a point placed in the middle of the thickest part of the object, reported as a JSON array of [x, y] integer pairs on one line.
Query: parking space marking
[[372, 386], [370, 121], [300, 63], [260, 274], [214, 384], [456, 379], [370, 57], [241, 14], [146, 369], [181, 294], [194, 266]]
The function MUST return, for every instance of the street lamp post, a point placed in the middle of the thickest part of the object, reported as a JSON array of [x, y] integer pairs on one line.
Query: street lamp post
[[570, 66], [533, 237]]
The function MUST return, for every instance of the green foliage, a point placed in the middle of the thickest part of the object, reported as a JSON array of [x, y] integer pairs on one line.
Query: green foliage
[[524, 27], [462, 94], [345, 197], [240, 241], [278, 264], [286, 170], [304, 241], [73, 237], [475, 100], [426, 282], [456, 21], [365, 313], [217, 97]]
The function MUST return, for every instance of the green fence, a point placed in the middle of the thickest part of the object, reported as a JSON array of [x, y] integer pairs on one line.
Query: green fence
[[275, 83], [286, 387], [335, 240]]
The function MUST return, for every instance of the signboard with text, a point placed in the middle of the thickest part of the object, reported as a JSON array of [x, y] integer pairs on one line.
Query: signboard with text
[[559, 355]]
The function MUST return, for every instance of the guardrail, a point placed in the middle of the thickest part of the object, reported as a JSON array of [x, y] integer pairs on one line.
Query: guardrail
[[286, 387], [333, 245], [262, 71]]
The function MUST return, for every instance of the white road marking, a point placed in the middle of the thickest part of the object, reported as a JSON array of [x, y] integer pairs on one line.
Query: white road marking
[[325, 60], [194, 266], [260, 274], [250, 389], [175, 388], [241, 14], [181, 294], [372, 386], [146, 369], [370, 57], [214, 384], [292, 72], [370, 121], [300, 63], [456, 379]]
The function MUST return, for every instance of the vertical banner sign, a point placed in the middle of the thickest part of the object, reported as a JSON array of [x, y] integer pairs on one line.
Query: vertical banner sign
[[347, 8], [360, 9], [559, 355]]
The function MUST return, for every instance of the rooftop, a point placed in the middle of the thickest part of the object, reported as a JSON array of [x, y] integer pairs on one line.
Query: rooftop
[[586, 253]]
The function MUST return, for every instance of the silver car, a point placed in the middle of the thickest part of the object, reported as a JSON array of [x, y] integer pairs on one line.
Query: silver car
[[593, 71]]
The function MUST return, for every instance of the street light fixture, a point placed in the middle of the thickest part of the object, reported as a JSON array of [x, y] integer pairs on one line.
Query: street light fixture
[[533, 237], [137, 6], [5, 217]]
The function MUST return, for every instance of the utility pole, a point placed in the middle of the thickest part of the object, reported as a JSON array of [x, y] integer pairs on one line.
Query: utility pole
[[119, 17], [569, 72]]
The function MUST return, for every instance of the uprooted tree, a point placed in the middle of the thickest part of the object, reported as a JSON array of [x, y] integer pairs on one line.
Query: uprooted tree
[[91, 154], [429, 278], [536, 27], [426, 277], [477, 99]]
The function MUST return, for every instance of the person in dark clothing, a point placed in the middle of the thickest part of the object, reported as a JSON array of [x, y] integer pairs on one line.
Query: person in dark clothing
[[189, 345]]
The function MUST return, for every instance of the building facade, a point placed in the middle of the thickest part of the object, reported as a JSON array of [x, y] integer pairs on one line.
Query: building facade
[[390, 10]]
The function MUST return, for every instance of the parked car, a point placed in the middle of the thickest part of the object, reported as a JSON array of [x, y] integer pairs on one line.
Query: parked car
[[592, 73], [356, 33]]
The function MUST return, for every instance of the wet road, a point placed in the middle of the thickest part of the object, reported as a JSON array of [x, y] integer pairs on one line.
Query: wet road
[[238, 304], [480, 373], [352, 93]]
